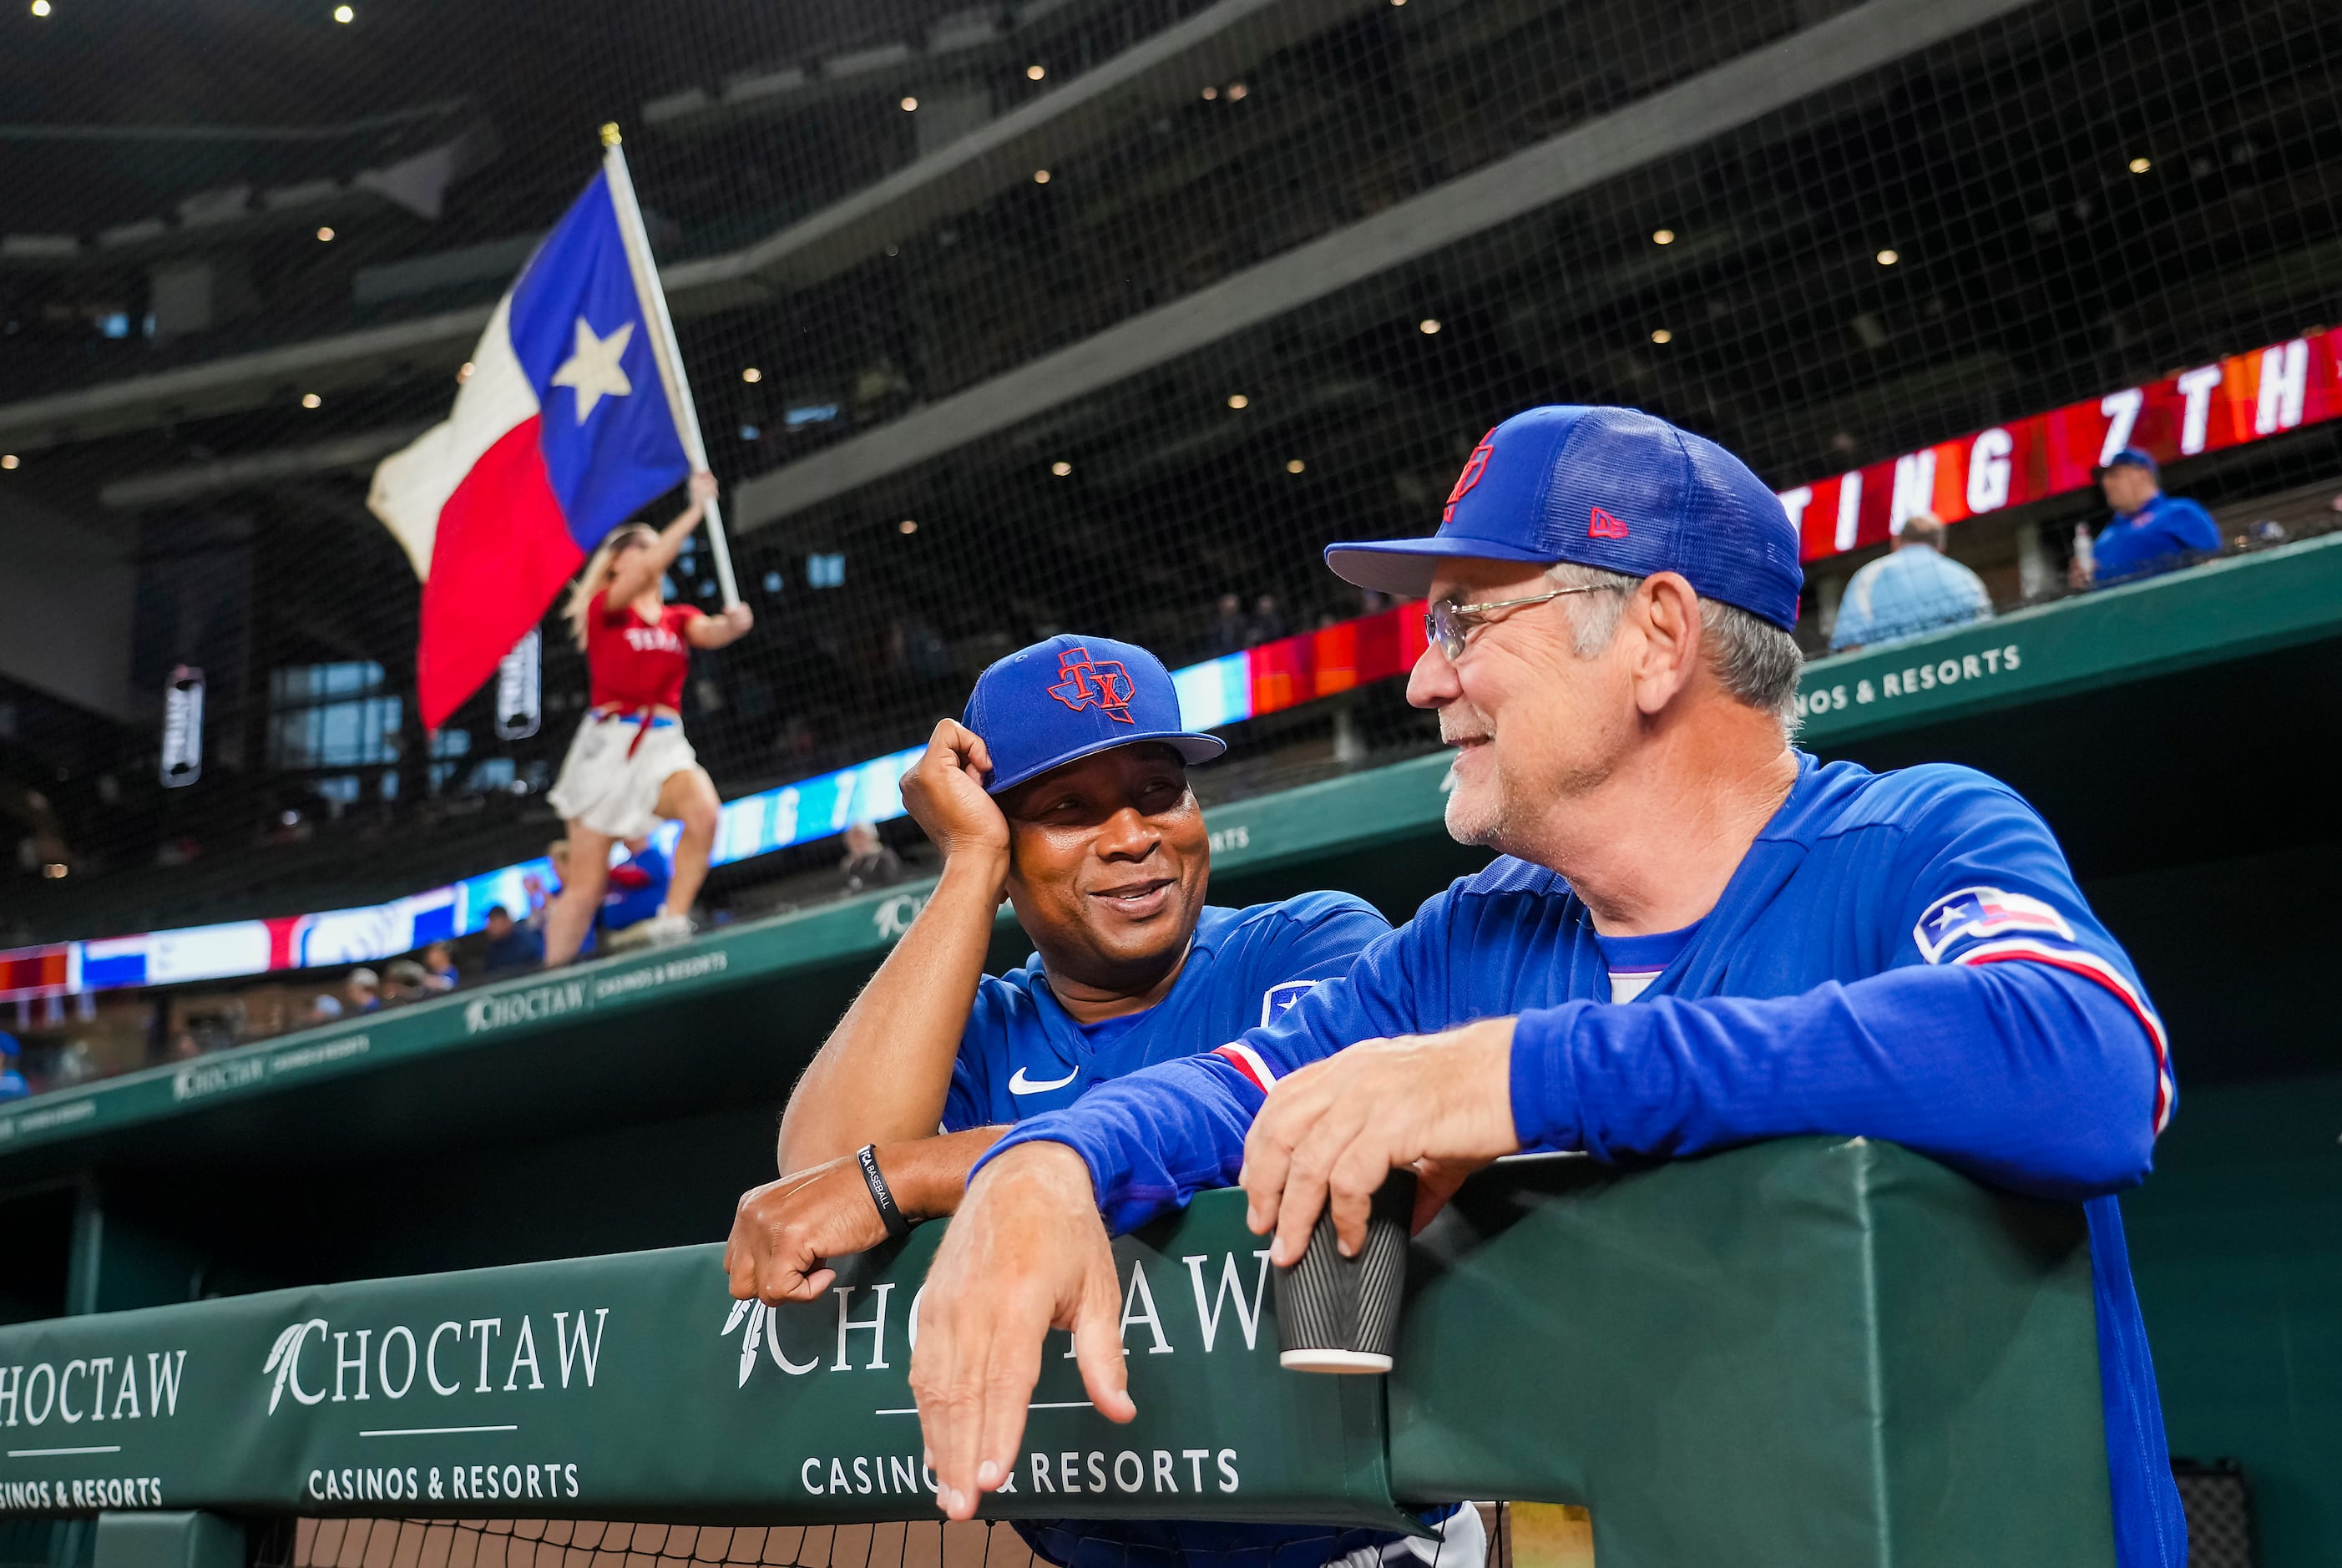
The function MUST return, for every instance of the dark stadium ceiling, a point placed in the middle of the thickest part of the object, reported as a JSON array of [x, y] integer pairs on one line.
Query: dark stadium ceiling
[[112, 112]]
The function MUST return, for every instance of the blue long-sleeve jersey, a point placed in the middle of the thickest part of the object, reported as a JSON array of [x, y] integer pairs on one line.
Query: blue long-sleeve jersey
[[1902, 957]]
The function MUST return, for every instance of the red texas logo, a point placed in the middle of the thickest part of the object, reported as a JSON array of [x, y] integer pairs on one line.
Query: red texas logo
[[1602, 525], [1104, 685], [1474, 466]]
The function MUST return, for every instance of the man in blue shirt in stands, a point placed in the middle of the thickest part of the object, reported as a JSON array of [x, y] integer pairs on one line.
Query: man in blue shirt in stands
[[635, 893], [12, 1082], [1063, 791], [2151, 532], [1915, 587], [1695, 935]]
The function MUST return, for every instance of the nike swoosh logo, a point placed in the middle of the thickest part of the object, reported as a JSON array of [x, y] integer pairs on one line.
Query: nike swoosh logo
[[1020, 1084]]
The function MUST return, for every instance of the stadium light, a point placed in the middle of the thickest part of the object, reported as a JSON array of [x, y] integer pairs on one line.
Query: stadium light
[[1036, 72], [343, 14], [2140, 165], [324, 236], [1663, 237], [1210, 94], [1040, 176], [1428, 325], [1889, 257], [909, 103], [8, 461], [1294, 464], [1238, 400], [752, 376], [311, 400], [40, 7], [1236, 90], [1061, 468], [907, 525], [1663, 336]]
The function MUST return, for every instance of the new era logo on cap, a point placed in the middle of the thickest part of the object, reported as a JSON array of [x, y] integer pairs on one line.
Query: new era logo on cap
[[1600, 524], [1086, 683]]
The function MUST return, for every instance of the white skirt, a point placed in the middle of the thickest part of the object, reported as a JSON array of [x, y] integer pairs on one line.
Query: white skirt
[[610, 783]]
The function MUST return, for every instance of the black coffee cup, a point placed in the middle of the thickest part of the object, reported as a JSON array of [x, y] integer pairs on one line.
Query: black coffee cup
[[1341, 1314]]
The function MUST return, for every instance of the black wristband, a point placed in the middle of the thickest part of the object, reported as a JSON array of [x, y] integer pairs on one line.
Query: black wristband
[[897, 1227]]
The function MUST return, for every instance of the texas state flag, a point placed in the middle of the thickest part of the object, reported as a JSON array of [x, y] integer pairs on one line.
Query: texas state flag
[[565, 427]]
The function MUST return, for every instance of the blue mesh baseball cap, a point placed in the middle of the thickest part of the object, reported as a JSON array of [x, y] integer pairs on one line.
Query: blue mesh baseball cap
[[2132, 457], [1613, 488], [1069, 697]]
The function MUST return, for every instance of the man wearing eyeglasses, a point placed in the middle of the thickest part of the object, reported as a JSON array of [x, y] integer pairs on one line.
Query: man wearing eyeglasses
[[1695, 935]]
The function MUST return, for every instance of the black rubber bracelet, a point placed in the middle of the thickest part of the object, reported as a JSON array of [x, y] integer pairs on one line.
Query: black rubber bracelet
[[897, 1226]]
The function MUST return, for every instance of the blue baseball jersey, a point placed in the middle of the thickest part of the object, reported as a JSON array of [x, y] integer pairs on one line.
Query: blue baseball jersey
[[1023, 1054], [2156, 538], [1900, 955]]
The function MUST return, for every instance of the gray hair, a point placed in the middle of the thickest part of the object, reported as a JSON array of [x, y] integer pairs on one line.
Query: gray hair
[[1757, 662]]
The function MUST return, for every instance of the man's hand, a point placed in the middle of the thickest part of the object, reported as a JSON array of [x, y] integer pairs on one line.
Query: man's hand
[[1331, 1131], [1027, 1254], [943, 792], [783, 1230]]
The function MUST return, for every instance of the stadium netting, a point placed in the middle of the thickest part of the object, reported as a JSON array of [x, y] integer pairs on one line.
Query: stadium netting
[[578, 1543], [2051, 204]]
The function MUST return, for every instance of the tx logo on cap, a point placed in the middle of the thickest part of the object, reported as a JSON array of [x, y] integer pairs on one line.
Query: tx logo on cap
[[1474, 466], [1602, 525], [1103, 684]]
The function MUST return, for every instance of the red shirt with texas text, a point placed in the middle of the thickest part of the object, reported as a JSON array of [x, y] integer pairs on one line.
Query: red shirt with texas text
[[633, 663]]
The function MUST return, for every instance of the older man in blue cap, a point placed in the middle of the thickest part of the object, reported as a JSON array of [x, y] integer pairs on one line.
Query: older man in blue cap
[[1695, 935], [1063, 790]]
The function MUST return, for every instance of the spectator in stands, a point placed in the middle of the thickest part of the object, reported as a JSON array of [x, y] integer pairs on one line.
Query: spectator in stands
[[630, 765], [869, 861], [2151, 532], [324, 1008], [404, 981], [1268, 623], [1915, 587], [12, 1082], [511, 945], [637, 889], [364, 988], [1231, 629], [440, 975]]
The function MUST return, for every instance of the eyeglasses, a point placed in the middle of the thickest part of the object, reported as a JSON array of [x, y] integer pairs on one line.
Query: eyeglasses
[[1448, 624]]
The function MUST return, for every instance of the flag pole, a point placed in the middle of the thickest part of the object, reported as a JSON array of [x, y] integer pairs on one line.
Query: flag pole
[[663, 347]]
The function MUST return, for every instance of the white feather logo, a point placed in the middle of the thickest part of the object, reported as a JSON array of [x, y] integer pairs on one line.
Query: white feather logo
[[284, 1353]]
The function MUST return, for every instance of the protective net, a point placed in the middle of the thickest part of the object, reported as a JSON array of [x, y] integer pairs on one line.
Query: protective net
[[567, 1543], [1009, 320]]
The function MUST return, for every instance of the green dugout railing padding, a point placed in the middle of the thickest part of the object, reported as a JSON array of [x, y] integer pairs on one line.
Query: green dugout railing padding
[[1813, 1352]]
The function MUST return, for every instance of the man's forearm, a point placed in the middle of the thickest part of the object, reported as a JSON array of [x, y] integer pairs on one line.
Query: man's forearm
[[883, 1074], [928, 1176]]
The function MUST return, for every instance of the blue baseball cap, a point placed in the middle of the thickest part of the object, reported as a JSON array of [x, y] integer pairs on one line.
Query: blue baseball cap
[[1612, 488], [1069, 697], [2131, 457]]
